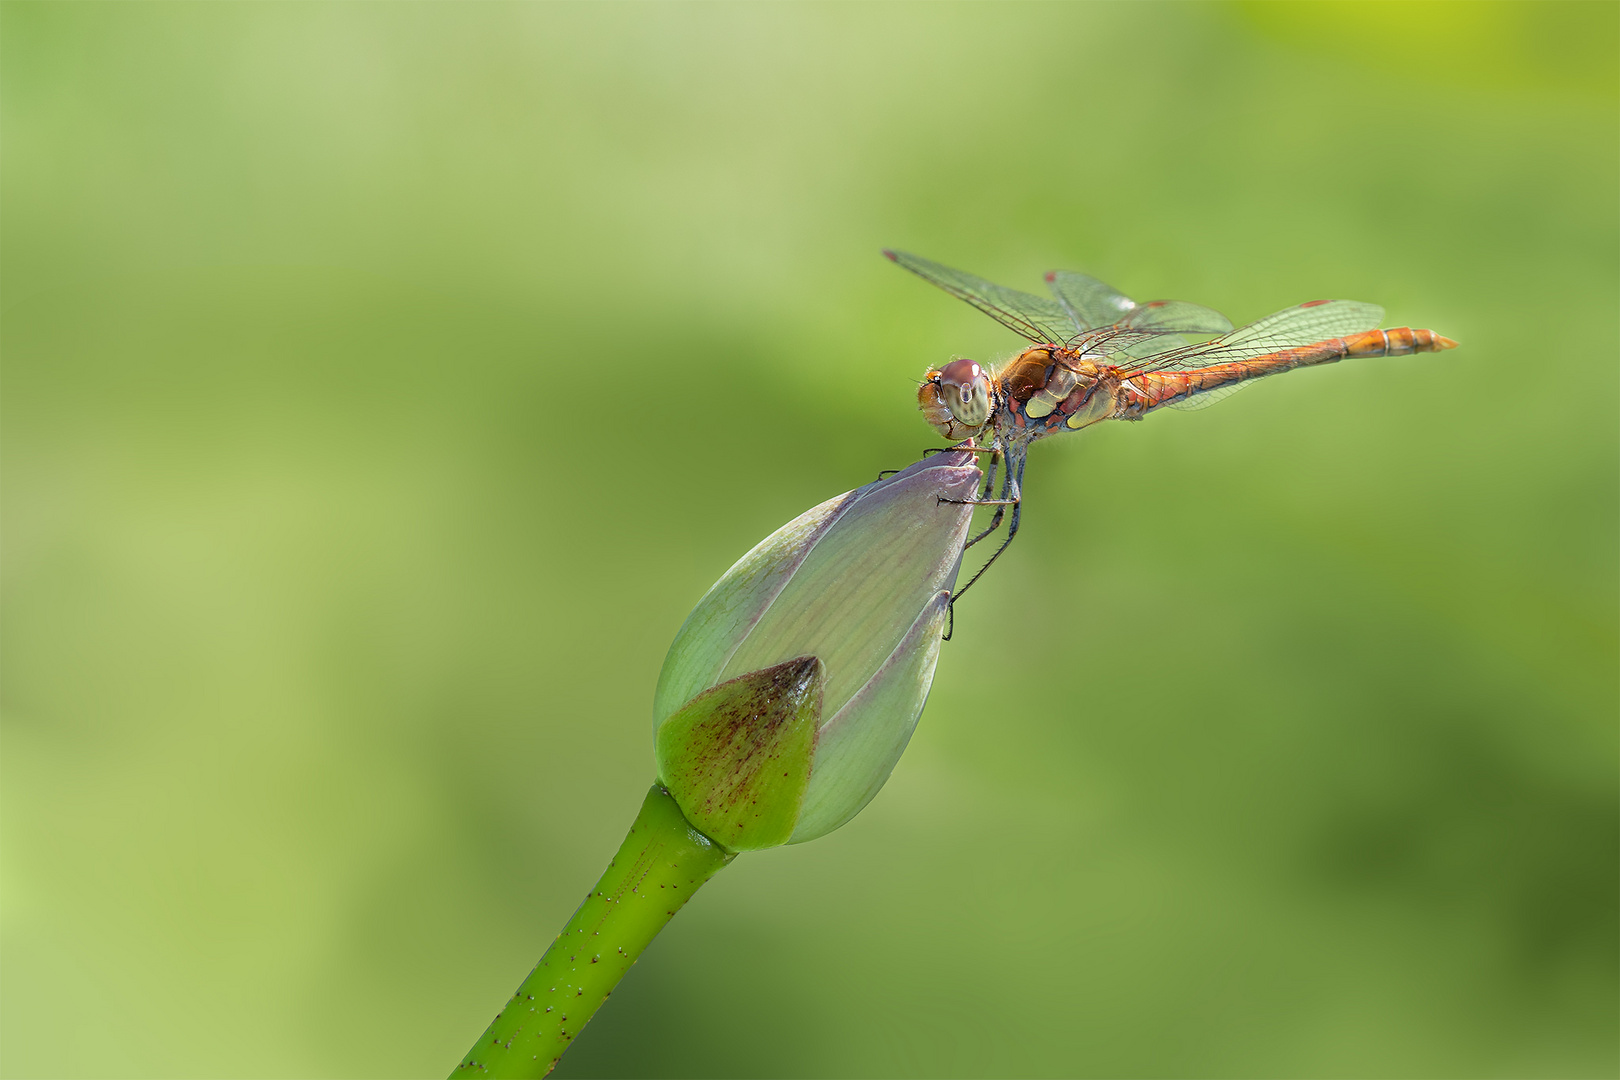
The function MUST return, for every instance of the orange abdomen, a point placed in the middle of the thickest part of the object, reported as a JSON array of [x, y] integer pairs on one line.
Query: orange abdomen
[[1395, 342], [1152, 389]]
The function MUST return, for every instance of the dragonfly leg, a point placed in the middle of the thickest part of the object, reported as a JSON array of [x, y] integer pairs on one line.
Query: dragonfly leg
[[990, 475], [995, 523], [1000, 504], [984, 497], [1011, 486], [966, 447]]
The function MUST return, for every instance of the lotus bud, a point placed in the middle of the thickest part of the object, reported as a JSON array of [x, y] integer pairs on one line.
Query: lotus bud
[[794, 685]]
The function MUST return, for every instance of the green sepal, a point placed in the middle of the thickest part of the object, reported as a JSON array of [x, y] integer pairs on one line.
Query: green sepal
[[737, 757]]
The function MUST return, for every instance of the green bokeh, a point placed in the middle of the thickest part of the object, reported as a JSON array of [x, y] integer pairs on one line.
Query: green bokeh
[[383, 385]]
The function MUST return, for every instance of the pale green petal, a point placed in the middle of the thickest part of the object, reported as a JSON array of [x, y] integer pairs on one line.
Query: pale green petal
[[859, 746], [732, 607]]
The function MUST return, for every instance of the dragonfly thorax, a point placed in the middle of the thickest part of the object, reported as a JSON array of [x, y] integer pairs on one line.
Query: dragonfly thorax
[[1041, 379], [956, 399]]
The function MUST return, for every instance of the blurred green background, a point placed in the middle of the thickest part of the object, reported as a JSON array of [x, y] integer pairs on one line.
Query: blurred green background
[[384, 383]]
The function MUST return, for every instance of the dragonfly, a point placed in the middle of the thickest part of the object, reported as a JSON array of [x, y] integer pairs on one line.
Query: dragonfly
[[1098, 355]]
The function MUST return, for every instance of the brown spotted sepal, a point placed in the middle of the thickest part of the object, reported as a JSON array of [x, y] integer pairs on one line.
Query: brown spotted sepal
[[737, 757]]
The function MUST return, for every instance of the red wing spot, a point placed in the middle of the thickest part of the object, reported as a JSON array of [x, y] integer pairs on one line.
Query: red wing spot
[[1154, 303], [891, 256], [1315, 303], [1051, 276]]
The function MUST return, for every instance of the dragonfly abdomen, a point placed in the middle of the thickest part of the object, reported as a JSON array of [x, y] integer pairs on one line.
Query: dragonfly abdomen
[[1398, 341], [1149, 390]]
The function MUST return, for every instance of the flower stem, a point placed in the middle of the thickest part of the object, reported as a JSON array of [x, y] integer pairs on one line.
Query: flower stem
[[659, 866]]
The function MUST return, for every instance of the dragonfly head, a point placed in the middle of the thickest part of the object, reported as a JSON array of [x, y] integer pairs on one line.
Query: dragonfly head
[[956, 399]]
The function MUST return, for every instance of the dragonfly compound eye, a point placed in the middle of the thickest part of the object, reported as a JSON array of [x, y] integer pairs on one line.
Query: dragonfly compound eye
[[964, 389]]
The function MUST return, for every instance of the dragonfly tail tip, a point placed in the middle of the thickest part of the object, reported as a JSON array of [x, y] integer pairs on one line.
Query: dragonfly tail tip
[[1443, 343]]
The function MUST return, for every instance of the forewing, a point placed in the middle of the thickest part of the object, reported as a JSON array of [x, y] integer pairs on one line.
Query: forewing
[[1130, 348], [1090, 303], [1292, 328], [1178, 316], [1040, 320], [1094, 304]]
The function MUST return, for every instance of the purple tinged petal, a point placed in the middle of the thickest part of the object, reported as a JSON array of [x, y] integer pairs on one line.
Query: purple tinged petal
[[860, 587], [733, 605], [862, 583], [857, 748]]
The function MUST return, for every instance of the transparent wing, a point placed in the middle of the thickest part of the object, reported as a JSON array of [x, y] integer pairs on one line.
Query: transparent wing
[[1176, 315], [1125, 346], [1292, 328], [1089, 302], [1040, 320], [1094, 304], [1210, 397]]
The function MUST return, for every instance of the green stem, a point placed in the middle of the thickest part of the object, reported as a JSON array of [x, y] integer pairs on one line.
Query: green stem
[[660, 865]]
